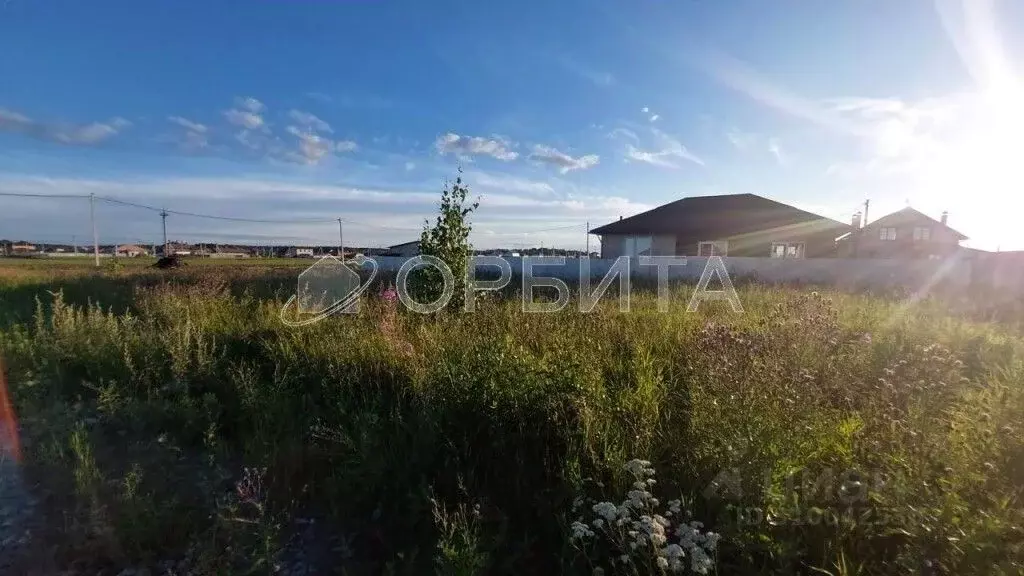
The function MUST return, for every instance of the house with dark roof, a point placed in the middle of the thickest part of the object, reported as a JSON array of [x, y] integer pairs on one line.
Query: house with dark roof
[[404, 249], [906, 233], [727, 225]]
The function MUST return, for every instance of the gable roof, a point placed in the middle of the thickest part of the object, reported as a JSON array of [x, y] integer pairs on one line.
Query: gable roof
[[728, 214], [910, 216], [403, 244]]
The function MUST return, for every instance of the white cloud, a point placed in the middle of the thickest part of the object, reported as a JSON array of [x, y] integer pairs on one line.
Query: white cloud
[[654, 117], [12, 121], [188, 124], [645, 109], [564, 162], [314, 148], [508, 183], [741, 140], [345, 146], [667, 155], [85, 134], [775, 148], [195, 136], [466, 146], [624, 133], [247, 114], [741, 78], [410, 166], [251, 140], [309, 120], [250, 104], [244, 119]]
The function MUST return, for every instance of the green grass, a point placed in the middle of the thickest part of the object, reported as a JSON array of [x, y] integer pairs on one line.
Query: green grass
[[173, 416]]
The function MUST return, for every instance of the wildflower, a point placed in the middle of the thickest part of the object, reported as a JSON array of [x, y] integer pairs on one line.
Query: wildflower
[[580, 531], [606, 510], [599, 523], [639, 468], [389, 294], [624, 559], [700, 562], [598, 571], [662, 563], [673, 551]]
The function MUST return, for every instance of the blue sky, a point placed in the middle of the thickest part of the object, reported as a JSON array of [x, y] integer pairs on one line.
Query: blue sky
[[560, 113]]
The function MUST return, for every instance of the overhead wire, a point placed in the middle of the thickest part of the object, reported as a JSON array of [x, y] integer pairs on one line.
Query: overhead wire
[[161, 210]]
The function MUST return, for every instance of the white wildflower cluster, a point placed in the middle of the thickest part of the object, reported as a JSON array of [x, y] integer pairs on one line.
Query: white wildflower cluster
[[635, 528]]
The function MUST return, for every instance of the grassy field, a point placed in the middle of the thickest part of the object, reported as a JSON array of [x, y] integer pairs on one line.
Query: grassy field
[[171, 421]]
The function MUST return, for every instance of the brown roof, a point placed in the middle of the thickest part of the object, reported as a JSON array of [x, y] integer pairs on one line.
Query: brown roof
[[719, 215], [129, 248], [910, 216]]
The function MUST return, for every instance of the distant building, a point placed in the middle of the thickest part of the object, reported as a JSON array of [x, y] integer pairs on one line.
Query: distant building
[[23, 248], [404, 249], [297, 252], [178, 250], [130, 251], [726, 225], [906, 233]]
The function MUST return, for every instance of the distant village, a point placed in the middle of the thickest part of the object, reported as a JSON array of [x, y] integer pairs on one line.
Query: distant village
[[17, 248]]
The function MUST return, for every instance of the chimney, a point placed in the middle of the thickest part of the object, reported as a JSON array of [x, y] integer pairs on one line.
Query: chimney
[[945, 216], [856, 220], [620, 217]]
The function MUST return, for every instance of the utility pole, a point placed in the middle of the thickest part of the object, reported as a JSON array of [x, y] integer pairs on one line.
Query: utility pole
[[587, 232], [163, 216], [341, 241], [95, 235]]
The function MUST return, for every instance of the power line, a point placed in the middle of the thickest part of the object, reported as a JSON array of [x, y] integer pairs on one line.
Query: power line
[[164, 212], [214, 217], [27, 195]]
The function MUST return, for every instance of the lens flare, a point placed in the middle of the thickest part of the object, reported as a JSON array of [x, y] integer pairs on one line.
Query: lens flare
[[9, 445]]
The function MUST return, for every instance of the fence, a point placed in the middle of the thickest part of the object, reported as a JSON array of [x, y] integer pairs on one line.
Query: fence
[[958, 271]]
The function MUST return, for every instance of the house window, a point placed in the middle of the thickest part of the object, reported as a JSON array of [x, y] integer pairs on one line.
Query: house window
[[886, 233], [634, 246], [713, 248], [787, 250], [922, 233]]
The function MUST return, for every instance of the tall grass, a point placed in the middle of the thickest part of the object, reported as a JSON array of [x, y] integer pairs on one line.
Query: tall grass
[[178, 420]]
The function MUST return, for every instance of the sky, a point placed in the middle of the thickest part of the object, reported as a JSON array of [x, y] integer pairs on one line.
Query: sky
[[298, 113]]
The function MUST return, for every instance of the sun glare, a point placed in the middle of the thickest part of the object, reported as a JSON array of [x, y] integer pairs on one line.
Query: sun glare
[[979, 168]]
